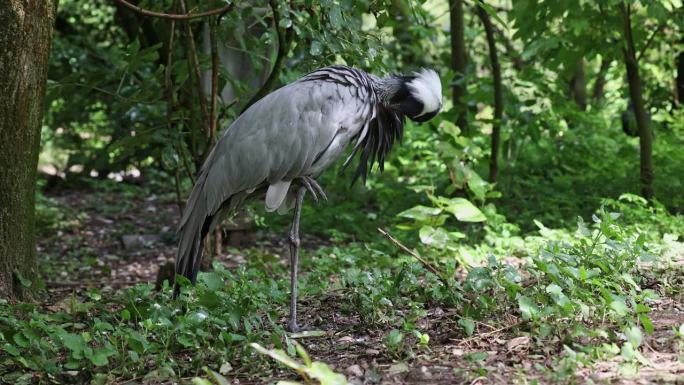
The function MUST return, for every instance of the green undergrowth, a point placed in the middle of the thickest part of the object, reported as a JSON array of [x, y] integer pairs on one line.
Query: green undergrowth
[[581, 292]]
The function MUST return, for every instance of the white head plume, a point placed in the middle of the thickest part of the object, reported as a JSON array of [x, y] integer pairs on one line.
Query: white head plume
[[427, 89]]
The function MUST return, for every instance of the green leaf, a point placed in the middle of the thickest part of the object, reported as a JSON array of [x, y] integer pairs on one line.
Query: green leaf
[[325, 375], [468, 325], [527, 307], [464, 211], [431, 236], [619, 307], [73, 342], [99, 357], [21, 340], [279, 356], [634, 336], [11, 349], [420, 213], [316, 48], [395, 337], [217, 377], [646, 323]]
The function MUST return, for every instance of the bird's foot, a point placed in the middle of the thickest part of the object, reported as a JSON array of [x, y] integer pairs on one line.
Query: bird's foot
[[303, 332], [314, 188], [292, 326]]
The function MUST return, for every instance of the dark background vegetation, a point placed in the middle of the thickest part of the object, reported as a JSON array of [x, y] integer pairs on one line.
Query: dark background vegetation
[[545, 201]]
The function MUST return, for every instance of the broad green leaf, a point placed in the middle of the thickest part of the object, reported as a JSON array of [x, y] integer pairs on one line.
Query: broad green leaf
[[646, 323], [213, 281], [431, 236], [279, 356], [73, 342], [468, 325], [217, 377], [464, 211], [619, 307], [634, 336], [420, 213], [527, 307], [325, 375]]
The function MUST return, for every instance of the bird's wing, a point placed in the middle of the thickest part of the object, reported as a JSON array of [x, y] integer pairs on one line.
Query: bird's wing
[[278, 139]]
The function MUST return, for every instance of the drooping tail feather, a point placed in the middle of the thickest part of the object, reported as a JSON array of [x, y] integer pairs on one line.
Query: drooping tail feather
[[193, 228]]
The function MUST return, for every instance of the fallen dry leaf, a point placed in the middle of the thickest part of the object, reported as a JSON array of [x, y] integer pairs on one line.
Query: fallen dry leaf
[[517, 343]]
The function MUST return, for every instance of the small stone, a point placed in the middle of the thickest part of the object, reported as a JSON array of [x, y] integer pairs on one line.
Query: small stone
[[355, 371], [398, 368], [372, 352], [225, 368]]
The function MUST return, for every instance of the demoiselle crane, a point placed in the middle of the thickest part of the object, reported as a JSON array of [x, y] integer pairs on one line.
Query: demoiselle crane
[[279, 145]]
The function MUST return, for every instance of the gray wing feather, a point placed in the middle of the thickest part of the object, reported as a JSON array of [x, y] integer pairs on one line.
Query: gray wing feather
[[277, 139]]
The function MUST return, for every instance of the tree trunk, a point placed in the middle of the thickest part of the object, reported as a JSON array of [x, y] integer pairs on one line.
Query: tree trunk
[[636, 96], [578, 86], [679, 81], [25, 36], [498, 94], [458, 63]]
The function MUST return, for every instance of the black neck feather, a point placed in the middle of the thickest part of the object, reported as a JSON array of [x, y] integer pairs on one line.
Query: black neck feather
[[386, 128]]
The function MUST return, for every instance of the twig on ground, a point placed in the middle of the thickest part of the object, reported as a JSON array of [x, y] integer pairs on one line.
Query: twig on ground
[[482, 335], [415, 255]]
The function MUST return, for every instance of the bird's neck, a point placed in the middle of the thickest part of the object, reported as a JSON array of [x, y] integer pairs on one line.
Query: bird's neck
[[387, 88]]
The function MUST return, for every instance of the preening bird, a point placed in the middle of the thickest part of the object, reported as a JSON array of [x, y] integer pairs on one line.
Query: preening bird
[[279, 145]]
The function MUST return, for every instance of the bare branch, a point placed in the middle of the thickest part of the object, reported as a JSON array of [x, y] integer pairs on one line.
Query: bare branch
[[173, 16], [194, 60], [415, 255], [283, 49], [214, 84], [649, 41]]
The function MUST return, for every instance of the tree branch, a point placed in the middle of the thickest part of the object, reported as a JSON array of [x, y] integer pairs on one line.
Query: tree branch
[[173, 16], [649, 41], [214, 84], [283, 49], [194, 61], [415, 255]]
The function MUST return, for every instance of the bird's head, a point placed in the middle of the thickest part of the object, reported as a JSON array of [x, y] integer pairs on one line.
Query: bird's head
[[418, 96]]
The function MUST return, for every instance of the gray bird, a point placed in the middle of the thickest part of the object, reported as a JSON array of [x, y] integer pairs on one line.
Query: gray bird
[[278, 146]]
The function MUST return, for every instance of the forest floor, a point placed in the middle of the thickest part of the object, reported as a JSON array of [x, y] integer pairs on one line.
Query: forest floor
[[88, 252]]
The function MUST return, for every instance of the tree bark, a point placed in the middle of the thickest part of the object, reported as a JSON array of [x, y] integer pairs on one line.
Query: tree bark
[[498, 94], [679, 81], [636, 96], [25, 37], [458, 63], [578, 86]]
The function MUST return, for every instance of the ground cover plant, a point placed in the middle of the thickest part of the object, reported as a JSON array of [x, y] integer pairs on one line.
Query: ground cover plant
[[531, 233]]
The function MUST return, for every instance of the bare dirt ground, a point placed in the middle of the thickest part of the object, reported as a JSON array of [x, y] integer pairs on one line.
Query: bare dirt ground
[[92, 254]]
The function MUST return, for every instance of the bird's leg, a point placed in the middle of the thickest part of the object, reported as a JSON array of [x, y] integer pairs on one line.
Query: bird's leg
[[294, 259]]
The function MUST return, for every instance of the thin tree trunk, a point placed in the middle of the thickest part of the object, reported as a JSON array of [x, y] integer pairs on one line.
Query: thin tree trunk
[[458, 63], [578, 86], [498, 94], [679, 81], [636, 96], [25, 36], [600, 82]]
